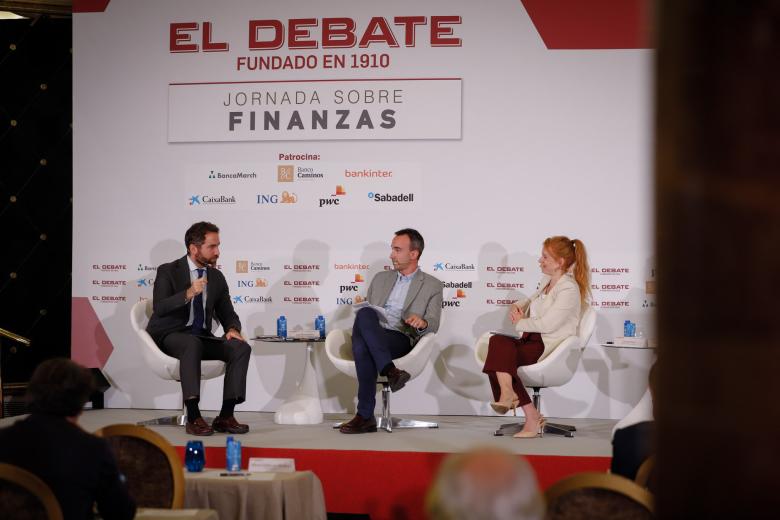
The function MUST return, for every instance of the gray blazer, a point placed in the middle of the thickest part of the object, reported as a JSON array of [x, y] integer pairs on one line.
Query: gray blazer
[[423, 299]]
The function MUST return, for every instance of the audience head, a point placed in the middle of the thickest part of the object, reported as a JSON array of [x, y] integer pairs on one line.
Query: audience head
[[572, 253], [59, 387], [485, 483]]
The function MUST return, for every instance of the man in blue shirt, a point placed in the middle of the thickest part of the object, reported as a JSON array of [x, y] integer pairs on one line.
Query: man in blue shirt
[[411, 300]]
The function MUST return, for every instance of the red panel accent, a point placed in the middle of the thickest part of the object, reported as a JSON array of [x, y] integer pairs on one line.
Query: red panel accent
[[90, 345], [90, 6], [591, 24], [388, 484]]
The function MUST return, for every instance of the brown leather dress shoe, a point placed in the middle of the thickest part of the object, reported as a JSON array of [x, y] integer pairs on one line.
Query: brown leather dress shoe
[[199, 427], [359, 425], [229, 425], [397, 378]]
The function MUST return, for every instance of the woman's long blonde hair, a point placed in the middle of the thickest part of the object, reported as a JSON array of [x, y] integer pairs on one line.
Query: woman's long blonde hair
[[572, 252]]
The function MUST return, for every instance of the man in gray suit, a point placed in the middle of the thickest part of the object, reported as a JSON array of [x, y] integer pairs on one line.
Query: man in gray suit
[[412, 302]]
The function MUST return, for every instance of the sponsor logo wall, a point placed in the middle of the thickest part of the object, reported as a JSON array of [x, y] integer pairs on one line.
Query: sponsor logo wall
[[472, 155]]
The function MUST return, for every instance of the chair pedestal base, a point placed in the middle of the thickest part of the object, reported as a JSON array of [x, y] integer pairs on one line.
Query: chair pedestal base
[[565, 430], [171, 420], [387, 424]]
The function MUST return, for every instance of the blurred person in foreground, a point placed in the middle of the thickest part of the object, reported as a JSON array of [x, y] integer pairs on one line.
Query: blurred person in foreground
[[485, 484], [78, 467]]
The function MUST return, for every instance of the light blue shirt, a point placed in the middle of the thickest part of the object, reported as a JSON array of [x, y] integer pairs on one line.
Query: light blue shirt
[[394, 307], [194, 276]]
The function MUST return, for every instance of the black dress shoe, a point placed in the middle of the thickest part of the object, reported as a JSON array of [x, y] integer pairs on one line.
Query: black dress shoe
[[228, 425], [397, 378], [199, 427], [359, 425]]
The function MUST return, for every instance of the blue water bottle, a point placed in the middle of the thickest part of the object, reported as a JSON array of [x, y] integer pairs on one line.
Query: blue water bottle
[[281, 327], [319, 324], [233, 455], [627, 329], [632, 329]]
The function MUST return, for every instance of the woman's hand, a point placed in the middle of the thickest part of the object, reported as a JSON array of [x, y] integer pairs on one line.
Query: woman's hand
[[516, 314]]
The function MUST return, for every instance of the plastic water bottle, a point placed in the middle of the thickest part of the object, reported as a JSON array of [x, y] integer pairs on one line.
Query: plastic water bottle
[[627, 329], [281, 327], [633, 329], [232, 454], [319, 324]]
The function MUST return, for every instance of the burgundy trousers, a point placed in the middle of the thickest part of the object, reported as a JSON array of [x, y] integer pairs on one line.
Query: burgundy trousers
[[505, 354]]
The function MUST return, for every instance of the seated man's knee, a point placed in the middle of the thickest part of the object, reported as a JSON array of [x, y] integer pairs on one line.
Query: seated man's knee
[[365, 316], [239, 349]]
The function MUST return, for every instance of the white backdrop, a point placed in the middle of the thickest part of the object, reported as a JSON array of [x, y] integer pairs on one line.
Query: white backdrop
[[492, 142]]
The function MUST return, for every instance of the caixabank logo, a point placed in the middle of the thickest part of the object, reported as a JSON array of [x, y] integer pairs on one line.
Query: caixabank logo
[[461, 267], [244, 299], [212, 200], [144, 282]]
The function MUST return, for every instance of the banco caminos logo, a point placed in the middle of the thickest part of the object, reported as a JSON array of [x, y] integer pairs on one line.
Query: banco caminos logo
[[285, 173], [242, 266], [307, 173]]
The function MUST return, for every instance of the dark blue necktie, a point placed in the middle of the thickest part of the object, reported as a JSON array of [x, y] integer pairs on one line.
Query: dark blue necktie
[[197, 309]]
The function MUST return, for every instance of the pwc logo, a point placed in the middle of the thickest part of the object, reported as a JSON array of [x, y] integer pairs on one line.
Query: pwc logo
[[359, 278], [348, 288], [333, 200]]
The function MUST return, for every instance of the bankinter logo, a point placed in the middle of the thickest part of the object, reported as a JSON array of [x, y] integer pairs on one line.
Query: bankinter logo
[[284, 173]]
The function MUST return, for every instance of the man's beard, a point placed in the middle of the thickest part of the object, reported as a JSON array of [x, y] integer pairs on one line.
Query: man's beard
[[203, 261]]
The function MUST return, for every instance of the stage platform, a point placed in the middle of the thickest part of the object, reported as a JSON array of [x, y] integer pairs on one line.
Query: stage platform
[[383, 474]]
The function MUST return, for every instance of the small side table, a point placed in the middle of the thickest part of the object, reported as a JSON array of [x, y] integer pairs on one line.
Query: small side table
[[303, 407]]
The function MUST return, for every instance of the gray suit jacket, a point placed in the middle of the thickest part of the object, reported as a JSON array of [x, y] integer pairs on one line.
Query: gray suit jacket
[[423, 299]]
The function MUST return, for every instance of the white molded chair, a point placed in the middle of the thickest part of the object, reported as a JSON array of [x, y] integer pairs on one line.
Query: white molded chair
[[557, 369], [338, 348], [163, 365]]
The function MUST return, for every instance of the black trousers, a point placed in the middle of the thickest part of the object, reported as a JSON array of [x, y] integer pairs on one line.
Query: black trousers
[[191, 350]]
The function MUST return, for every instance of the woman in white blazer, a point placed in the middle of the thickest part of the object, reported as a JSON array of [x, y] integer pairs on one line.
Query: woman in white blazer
[[551, 315]]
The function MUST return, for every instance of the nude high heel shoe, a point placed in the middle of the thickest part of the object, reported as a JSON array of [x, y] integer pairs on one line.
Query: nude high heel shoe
[[532, 435], [503, 407]]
